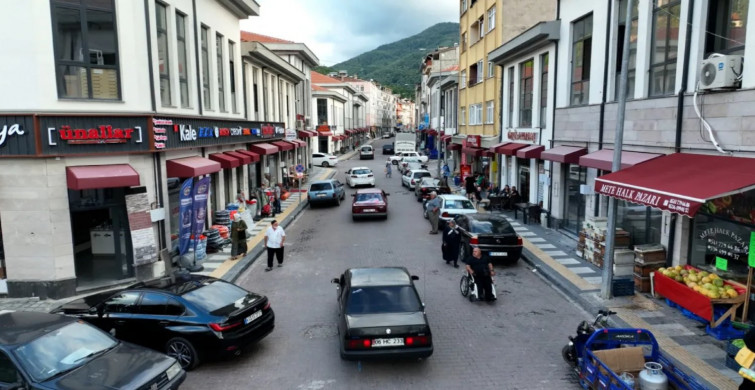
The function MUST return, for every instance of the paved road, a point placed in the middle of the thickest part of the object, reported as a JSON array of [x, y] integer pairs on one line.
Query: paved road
[[512, 344]]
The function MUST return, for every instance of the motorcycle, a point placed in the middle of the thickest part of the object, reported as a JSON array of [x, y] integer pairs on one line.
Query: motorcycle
[[574, 350]]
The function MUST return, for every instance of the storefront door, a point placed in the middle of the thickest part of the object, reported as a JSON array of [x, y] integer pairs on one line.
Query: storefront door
[[574, 205], [524, 179], [323, 144]]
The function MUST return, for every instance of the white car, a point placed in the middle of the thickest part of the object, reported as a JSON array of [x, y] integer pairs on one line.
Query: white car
[[451, 206], [413, 176], [324, 159], [395, 159], [360, 176]]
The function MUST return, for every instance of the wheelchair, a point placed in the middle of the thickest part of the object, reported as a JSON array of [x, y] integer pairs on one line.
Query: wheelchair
[[468, 287]]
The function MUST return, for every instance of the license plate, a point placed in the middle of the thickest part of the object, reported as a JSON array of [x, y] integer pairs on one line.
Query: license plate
[[398, 341], [320, 195], [369, 210], [253, 317], [498, 254]]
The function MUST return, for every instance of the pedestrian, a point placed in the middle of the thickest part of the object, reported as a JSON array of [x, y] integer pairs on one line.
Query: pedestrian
[[238, 237], [274, 239], [446, 173], [451, 244], [482, 271], [433, 211], [388, 168], [469, 186], [277, 201]]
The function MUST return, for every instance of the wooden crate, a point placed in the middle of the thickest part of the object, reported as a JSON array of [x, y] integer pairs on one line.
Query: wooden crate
[[645, 269], [641, 283], [651, 253]]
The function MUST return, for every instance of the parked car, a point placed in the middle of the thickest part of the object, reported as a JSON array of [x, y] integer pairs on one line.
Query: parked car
[[191, 318], [404, 166], [427, 185], [326, 191], [413, 176], [451, 206], [395, 159], [324, 159], [386, 135], [369, 203], [366, 152], [388, 148], [360, 176], [492, 233], [51, 351], [381, 315]]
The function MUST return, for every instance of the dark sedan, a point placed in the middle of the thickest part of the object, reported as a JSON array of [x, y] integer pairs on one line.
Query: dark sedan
[[492, 233], [427, 185], [388, 148], [381, 315], [50, 351], [192, 318]]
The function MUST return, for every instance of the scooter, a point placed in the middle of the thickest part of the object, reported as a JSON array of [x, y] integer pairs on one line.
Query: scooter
[[574, 351]]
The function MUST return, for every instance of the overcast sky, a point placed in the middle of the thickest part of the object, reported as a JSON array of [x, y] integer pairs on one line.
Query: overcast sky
[[336, 30]]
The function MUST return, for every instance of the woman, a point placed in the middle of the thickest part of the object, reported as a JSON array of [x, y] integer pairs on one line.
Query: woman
[[451, 243], [238, 237]]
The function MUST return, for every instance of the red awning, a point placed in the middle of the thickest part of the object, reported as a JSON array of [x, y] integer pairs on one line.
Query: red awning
[[324, 133], [472, 150], [680, 182], [431, 132], [445, 138], [305, 134], [254, 156], [300, 143], [564, 154], [603, 159], [263, 148], [225, 160], [532, 151], [487, 153], [89, 177], [453, 147], [507, 148], [243, 158], [191, 167], [283, 145]]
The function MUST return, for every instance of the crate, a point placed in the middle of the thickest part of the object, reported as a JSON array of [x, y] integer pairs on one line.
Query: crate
[[724, 332], [623, 257], [651, 253], [620, 270], [732, 347], [645, 269], [623, 287], [641, 283], [732, 363]]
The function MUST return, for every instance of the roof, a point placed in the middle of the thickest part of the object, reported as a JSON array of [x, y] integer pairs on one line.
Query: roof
[[247, 36], [318, 88], [20, 327], [369, 191], [319, 78], [453, 197], [533, 39], [379, 276]]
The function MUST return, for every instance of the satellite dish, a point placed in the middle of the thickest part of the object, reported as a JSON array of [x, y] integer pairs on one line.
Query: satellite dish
[[708, 74]]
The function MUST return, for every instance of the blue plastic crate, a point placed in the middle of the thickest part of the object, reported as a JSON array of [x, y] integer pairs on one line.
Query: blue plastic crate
[[623, 287], [671, 304], [724, 332], [731, 363], [731, 349], [693, 316]]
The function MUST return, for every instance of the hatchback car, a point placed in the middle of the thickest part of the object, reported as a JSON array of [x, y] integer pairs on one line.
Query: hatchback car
[[360, 176], [404, 166], [369, 203], [413, 176], [451, 206], [366, 152], [324, 160], [388, 148], [192, 318], [427, 185], [326, 191], [380, 315], [492, 233], [50, 351]]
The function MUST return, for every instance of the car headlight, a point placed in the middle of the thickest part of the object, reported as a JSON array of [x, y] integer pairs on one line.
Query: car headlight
[[174, 370]]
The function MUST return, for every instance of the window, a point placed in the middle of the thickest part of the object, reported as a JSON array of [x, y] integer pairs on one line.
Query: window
[[86, 49], [463, 79], [124, 302], [580, 60], [232, 74], [183, 78], [8, 372], [480, 72], [463, 6], [477, 30], [475, 73], [489, 111], [665, 44], [161, 20], [543, 89], [475, 114], [206, 68], [511, 97], [491, 18], [491, 70], [727, 19], [463, 116], [322, 111], [631, 69], [526, 78], [159, 304], [463, 42], [221, 76]]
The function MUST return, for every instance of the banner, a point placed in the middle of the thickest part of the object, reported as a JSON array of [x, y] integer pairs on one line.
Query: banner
[[184, 216], [201, 189]]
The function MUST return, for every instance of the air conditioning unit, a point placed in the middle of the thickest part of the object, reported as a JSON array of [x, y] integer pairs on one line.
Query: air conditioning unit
[[720, 71]]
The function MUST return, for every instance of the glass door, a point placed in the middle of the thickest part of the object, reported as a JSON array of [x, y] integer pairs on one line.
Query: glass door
[[574, 202]]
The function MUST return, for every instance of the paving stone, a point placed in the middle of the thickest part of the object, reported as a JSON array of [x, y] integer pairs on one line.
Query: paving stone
[[546, 246], [527, 234], [593, 279], [555, 253], [582, 270], [536, 239], [567, 261]]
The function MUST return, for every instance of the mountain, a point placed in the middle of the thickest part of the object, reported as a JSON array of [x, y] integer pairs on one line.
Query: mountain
[[397, 64]]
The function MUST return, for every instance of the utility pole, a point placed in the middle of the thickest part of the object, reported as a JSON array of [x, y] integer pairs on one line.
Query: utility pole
[[613, 207]]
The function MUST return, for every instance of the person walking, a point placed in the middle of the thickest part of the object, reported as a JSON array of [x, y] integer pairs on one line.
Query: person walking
[[451, 244], [469, 187], [238, 237], [274, 239], [388, 168], [433, 211], [482, 270], [277, 201], [446, 173]]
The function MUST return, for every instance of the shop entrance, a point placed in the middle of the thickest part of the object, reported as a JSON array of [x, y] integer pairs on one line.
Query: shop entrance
[[323, 144], [574, 202], [524, 179], [101, 237]]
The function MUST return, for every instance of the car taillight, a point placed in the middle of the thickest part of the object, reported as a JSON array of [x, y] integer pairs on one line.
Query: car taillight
[[424, 190], [444, 215], [223, 327], [413, 182], [267, 306], [519, 240], [358, 343], [334, 194], [416, 341], [473, 240]]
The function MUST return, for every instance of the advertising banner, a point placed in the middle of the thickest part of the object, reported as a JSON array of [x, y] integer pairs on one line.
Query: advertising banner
[[201, 190], [185, 201]]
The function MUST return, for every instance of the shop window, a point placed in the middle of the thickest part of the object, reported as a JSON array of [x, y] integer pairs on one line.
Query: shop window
[[581, 58], [86, 49], [204, 35], [489, 112], [621, 34], [183, 77], [727, 24], [526, 78], [524, 179], [232, 75], [163, 59], [543, 89], [714, 237], [665, 45], [511, 97], [643, 223], [220, 72], [574, 201]]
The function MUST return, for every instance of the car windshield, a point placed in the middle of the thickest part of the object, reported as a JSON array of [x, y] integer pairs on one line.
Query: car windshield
[[372, 198], [361, 172], [422, 174], [215, 295], [459, 204], [383, 299], [320, 187], [492, 226], [62, 350]]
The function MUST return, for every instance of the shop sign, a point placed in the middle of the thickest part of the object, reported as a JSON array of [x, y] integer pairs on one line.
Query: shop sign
[[724, 242], [523, 136], [17, 135], [9, 131], [92, 134], [652, 199], [290, 134], [185, 132], [473, 141], [102, 134]]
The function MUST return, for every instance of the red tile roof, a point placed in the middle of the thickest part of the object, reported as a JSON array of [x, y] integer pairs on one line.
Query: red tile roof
[[450, 68], [319, 88], [319, 78], [247, 36]]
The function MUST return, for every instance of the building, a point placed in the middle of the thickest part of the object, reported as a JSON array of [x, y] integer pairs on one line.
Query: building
[[339, 107], [435, 67], [404, 114], [380, 111]]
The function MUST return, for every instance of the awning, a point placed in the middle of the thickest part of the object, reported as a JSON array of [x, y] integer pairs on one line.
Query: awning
[[89, 177], [453, 147], [324, 133], [225, 160], [243, 158], [263, 148], [472, 150], [532, 151], [603, 159], [191, 167], [564, 154], [445, 138], [283, 145], [680, 182], [432, 132], [254, 156], [299, 143], [305, 133], [487, 153], [507, 148]]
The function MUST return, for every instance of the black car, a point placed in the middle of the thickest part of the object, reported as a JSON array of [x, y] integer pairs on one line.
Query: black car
[[492, 233], [427, 185], [190, 318], [50, 351], [388, 148], [381, 315]]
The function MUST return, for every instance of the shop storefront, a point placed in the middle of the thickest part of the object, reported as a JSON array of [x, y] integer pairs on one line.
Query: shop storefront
[[573, 176], [530, 156]]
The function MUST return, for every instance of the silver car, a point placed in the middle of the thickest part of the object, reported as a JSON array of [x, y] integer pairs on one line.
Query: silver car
[[413, 176]]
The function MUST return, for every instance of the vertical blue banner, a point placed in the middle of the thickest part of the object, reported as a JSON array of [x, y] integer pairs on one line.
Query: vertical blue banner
[[201, 189], [185, 220]]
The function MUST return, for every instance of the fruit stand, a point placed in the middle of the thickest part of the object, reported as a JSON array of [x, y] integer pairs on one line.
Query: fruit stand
[[684, 286]]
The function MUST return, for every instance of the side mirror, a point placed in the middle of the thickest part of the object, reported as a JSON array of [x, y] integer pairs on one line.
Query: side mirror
[[415, 277], [334, 280]]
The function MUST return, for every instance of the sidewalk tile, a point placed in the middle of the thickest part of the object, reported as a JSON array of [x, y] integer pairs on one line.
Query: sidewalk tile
[[581, 270], [555, 253], [545, 246], [567, 261]]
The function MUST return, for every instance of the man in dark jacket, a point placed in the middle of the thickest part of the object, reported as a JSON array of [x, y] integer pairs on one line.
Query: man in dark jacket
[[482, 270], [451, 241]]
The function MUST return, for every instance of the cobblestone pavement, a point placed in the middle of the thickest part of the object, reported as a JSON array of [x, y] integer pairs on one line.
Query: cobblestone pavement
[[512, 344]]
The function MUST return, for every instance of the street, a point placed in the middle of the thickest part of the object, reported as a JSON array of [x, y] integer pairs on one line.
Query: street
[[514, 343]]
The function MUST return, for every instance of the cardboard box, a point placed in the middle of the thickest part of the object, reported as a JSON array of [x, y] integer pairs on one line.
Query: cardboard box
[[631, 360]]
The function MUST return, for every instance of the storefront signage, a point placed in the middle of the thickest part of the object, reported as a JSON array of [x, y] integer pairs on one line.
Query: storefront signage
[[652, 199], [725, 243], [290, 134], [17, 135], [751, 254], [185, 221], [102, 134], [93, 134], [522, 136], [722, 263], [9, 131], [186, 132], [473, 141]]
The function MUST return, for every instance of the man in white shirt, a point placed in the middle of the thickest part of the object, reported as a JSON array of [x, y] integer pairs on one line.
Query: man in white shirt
[[274, 239]]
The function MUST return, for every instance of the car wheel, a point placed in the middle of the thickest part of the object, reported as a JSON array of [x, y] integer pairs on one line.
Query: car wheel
[[394, 162], [338, 201], [183, 351], [325, 164], [464, 285]]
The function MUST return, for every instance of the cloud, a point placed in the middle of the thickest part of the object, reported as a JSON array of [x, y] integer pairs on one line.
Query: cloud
[[337, 30]]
